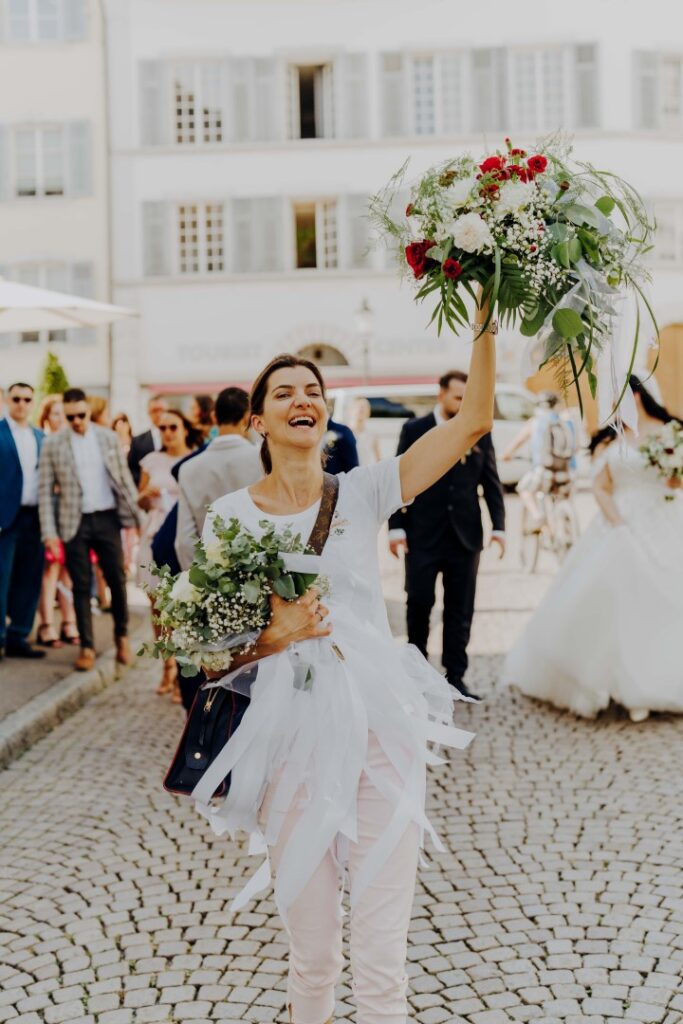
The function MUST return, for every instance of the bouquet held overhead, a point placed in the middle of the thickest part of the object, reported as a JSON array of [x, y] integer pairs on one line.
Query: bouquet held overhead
[[554, 243]]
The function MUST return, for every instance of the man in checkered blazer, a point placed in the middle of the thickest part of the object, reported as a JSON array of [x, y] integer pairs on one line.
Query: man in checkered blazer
[[86, 496]]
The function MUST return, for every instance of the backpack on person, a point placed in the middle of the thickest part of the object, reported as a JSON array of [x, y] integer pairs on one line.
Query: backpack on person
[[559, 445]]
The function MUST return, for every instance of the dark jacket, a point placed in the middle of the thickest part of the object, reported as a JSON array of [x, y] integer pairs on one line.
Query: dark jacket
[[163, 541], [342, 452], [450, 508], [141, 445], [12, 476]]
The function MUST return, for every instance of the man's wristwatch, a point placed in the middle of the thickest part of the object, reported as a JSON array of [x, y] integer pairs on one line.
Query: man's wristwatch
[[491, 327]]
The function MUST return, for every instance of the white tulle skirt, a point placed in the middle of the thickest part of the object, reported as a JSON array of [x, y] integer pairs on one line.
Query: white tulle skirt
[[610, 627], [314, 735]]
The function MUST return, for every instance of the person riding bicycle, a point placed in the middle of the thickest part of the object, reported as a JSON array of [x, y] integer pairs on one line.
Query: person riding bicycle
[[552, 438]]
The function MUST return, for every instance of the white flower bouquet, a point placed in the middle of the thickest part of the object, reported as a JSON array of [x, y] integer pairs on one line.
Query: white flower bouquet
[[552, 242], [218, 607], [664, 451]]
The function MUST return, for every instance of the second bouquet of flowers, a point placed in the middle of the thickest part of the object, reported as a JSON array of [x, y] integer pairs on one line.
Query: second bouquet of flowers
[[664, 451], [553, 243], [218, 608]]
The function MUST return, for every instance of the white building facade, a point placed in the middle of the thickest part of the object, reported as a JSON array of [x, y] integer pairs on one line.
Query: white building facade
[[54, 176], [247, 136]]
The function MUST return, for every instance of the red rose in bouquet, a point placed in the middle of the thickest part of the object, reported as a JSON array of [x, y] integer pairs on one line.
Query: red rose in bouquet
[[537, 164], [492, 163], [452, 269], [416, 256]]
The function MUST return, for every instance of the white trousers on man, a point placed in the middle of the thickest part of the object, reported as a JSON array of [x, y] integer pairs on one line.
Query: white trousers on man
[[379, 922]]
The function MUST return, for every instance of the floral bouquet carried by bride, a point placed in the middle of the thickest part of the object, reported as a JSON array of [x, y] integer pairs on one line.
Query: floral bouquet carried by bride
[[218, 607], [552, 242], [664, 451]]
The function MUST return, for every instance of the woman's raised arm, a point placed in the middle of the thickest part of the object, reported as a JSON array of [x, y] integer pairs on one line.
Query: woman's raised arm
[[428, 459]]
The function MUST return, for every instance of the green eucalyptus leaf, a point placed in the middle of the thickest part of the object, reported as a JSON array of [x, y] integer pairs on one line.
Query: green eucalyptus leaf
[[284, 587], [605, 204], [252, 591], [197, 577], [560, 253], [575, 250], [568, 323], [579, 214]]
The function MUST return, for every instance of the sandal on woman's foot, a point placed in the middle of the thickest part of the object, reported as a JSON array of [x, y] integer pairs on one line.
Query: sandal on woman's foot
[[167, 680], [176, 696], [48, 641], [70, 638]]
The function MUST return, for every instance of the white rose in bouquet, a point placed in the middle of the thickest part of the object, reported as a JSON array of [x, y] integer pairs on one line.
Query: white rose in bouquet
[[471, 233], [514, 196], [183, 591], [459, 192], [215, 553]]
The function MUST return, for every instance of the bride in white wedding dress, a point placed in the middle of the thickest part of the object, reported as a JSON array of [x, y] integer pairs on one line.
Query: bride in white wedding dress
[[609, 628]]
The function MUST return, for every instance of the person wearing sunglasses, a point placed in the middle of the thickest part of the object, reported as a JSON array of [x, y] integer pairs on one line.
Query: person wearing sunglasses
[[158, 494], [95, 497], [21, 549]]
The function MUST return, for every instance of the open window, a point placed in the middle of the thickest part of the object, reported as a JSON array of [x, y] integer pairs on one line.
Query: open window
[[315, 226], [311, 101]]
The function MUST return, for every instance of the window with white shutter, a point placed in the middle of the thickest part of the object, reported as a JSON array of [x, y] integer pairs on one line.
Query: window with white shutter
[[54, 276], [75, 19], [355, 249], [423, 95], [451, 93], [488, 90], [316, 235], [156, 239], [669, 237], [268, 102], [393, 95], [198, 96], [311, 101], [326, 234], [19, 20], [40, 162], [586, 98], [45, 21], [155, 112], [83, 283], [200, 238], [659, 91], [351, 94], [79, 179], [257, 235], [538, 89]]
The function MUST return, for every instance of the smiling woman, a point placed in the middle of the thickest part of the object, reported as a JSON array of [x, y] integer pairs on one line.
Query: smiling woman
[[333, 775]]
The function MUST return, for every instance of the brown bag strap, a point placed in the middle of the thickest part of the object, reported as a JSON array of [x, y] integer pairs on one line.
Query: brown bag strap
[[328, 503]]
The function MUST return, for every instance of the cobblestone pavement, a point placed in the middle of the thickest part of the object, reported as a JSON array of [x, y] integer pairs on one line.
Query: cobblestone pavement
[[560, 898]]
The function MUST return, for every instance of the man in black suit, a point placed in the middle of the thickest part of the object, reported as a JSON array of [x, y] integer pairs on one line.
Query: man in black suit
[[442, 532], [339, 444], [149, 440]]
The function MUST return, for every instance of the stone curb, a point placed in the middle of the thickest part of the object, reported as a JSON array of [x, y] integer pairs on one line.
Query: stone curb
[[22, 728]]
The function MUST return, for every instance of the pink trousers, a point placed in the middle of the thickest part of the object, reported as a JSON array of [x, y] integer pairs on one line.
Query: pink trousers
[[379, 922]]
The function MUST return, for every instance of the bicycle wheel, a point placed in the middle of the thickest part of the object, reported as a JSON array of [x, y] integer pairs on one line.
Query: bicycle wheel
[[564, 529], [530, 542]]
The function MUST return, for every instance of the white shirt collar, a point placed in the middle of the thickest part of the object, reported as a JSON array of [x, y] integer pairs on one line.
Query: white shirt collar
[[156, 438], [439, 416], [13, 425]]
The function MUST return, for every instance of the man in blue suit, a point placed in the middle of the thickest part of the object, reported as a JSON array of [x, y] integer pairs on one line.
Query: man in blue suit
[[21, 550]]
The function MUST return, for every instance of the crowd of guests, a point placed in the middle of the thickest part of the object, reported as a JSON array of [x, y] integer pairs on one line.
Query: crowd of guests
[[87, 505]]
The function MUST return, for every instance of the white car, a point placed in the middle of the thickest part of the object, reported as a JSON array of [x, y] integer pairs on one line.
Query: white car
[[392, 404]]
